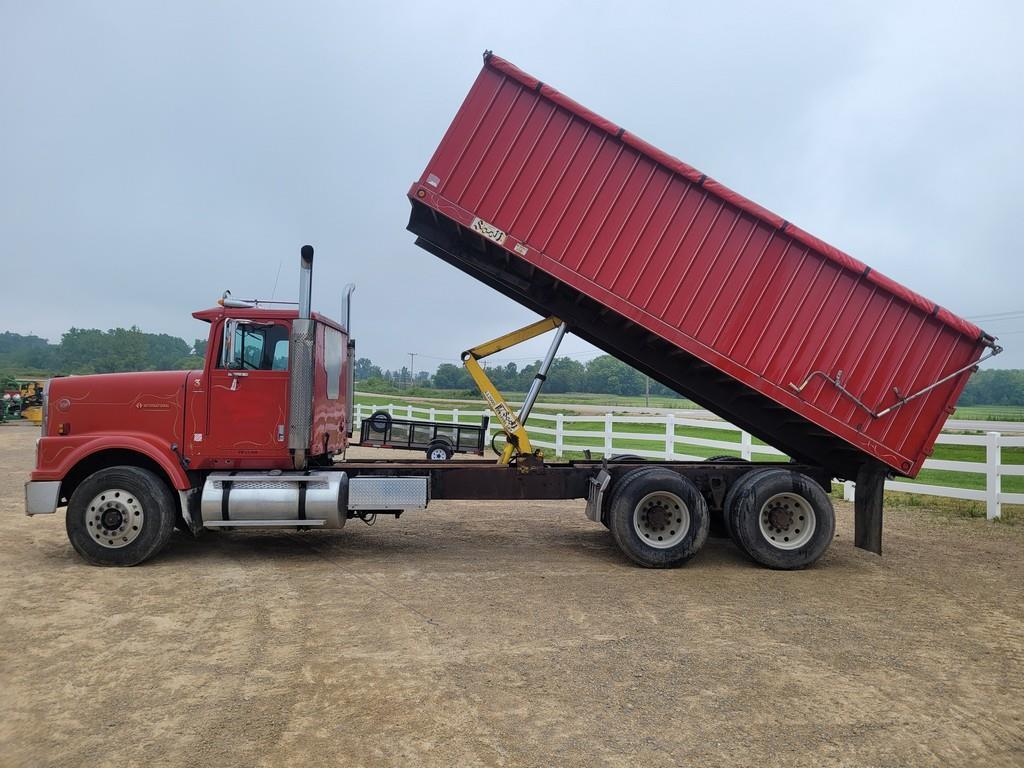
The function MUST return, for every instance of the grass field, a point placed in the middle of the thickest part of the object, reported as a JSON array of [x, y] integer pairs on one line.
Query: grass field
[[990, 412]]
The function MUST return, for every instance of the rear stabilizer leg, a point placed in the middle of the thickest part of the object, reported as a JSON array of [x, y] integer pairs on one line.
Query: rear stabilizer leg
[[867, 507]]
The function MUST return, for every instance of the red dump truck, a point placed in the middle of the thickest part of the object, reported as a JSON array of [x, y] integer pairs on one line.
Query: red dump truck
[[849, 373]]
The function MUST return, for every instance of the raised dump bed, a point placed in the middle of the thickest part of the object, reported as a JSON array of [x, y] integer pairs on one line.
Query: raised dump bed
[[670, 271]]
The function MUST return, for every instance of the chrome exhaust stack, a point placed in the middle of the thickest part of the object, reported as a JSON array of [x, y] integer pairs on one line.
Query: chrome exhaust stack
[[300, 366], [350, 380]]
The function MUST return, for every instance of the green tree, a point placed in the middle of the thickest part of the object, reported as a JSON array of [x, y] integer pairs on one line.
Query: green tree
[[450, 376], [366, 370], [607, 375]]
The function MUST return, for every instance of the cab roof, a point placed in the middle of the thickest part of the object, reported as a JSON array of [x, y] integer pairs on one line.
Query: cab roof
[[259, 313]]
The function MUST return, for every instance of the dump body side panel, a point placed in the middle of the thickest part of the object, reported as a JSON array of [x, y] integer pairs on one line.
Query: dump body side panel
[[553, 205]]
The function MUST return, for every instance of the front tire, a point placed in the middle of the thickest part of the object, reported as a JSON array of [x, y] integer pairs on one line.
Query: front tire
[[658, 518], [120, 516]]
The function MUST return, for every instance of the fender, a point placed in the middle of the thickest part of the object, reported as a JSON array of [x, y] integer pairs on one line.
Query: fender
[[59, 455]]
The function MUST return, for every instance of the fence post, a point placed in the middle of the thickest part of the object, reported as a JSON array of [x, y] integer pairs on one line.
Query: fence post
[[408, 410], [433, 414], [745, 445], [670, 436], [455, 414], [559, 440], [848, 488], [993, 482], [391, 408], [607, 434], [357, 416]]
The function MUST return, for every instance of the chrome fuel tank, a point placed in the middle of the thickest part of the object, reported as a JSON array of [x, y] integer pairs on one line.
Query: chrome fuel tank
[[280, 499]]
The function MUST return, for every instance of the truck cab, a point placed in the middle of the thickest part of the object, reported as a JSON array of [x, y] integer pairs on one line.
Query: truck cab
[[274, 396], [238, 414]]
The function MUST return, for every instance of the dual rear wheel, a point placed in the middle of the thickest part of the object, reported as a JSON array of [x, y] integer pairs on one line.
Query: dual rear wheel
[[780, 518]]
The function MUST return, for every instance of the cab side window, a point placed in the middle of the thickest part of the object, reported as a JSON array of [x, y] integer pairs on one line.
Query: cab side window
[[256, 347]]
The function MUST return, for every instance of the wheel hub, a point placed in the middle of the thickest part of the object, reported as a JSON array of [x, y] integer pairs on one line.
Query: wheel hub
[[657, 517], [114, 518], [661, 519], [780, 518], [787, 521]]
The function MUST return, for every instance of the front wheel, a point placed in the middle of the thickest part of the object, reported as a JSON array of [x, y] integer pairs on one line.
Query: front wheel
[[658, 518], [120, 516]]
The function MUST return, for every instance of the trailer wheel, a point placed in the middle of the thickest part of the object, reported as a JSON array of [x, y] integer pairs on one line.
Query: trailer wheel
[[658, 518], [380, 421], [120, 516], [439, 451], [781, 519]]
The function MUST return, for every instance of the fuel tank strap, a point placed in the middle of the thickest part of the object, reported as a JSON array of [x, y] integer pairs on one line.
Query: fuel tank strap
[[226, 492]]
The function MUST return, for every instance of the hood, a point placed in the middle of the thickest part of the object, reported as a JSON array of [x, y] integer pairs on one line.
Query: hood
[[151, 402]]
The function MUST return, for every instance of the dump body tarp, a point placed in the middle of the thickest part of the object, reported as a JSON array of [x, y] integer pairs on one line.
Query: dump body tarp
[[676, 274]]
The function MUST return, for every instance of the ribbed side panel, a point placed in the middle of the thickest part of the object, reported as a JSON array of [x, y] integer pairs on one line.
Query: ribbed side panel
[[696, 266]]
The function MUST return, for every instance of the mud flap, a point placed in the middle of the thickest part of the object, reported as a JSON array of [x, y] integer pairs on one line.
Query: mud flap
[[867, 507]]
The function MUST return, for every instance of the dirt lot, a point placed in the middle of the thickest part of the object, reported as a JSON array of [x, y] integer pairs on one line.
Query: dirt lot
[[480, 634]]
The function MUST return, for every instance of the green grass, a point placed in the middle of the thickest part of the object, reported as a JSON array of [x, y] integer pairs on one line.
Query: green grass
[[990, 412]]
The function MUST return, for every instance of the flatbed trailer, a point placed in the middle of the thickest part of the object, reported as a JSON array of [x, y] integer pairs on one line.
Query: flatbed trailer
[[440, 440], [847, 372]]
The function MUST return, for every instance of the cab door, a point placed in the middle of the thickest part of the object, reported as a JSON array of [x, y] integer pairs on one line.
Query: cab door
[[248, 401]]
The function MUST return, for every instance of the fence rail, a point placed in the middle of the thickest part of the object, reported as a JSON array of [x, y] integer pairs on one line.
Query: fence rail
[[556, 432]]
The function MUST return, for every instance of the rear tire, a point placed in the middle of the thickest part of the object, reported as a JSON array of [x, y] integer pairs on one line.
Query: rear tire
[[781, 519], [120, 516], [658, 518], [734, 491]]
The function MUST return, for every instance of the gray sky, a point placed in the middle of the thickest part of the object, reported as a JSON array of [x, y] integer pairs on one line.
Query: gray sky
[[154, 154]]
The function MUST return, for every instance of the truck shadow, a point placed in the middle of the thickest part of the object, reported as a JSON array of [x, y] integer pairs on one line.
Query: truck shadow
[[425, 549]]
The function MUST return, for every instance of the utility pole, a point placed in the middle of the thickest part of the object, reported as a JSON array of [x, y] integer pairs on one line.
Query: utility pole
[[412, 369]]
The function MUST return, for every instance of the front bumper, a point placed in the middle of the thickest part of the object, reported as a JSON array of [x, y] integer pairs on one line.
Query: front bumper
[[41, 497]]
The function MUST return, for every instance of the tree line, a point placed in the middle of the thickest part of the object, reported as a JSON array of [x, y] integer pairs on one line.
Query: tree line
[[90, 350], [603, 374]]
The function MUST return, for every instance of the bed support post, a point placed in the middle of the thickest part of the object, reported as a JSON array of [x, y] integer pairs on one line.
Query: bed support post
[[867, 507]]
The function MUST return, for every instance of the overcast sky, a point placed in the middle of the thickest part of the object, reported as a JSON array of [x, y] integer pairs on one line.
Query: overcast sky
[[154, 154]]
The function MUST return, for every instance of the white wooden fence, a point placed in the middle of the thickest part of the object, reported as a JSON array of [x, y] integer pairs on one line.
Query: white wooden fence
[[555, 431]]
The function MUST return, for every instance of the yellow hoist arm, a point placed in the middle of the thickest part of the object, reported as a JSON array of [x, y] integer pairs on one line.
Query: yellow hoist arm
[[518, 441]]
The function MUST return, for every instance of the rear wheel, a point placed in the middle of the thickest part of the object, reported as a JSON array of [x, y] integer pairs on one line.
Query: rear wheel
[[658, 518], [120, 516], [781, 518]]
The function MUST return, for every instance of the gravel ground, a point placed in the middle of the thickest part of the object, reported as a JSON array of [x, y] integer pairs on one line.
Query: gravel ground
[[491, 634]]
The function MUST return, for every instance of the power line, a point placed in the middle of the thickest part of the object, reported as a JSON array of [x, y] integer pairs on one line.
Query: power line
[[1007, 315]]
